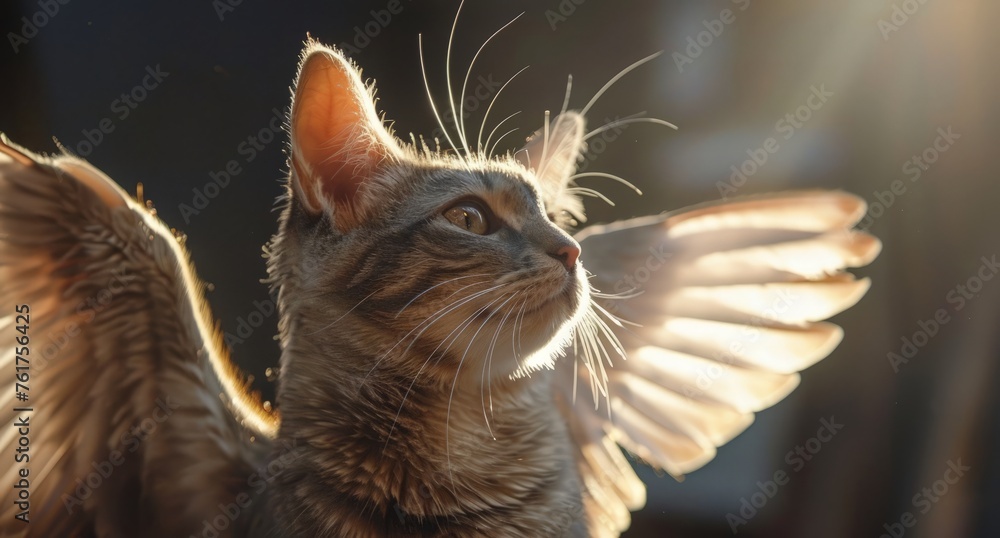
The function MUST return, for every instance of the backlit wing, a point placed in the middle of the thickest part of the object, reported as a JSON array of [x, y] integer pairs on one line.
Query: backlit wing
[[126, 433], [729, 300]]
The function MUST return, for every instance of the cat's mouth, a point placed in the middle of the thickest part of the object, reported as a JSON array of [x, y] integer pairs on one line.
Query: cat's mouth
[[563, 298], [566, 296]]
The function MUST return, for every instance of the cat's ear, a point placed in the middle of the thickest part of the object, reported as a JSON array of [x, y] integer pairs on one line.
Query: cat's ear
[[338, 140], [552, 154]]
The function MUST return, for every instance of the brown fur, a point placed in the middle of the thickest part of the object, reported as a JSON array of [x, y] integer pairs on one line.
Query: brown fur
[[354, 477], [395, 375], [419, 389]]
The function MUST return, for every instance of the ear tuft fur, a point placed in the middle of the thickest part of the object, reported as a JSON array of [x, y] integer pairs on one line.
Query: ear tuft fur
[[552, 154]]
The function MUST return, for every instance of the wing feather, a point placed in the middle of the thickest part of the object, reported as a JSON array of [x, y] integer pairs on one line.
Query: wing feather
[[125, 373], [731, 298]]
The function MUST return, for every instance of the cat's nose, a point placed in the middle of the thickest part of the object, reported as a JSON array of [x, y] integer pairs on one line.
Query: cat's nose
[[568, 253]]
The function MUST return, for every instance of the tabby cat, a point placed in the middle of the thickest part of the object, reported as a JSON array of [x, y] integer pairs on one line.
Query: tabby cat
[[448, 366]]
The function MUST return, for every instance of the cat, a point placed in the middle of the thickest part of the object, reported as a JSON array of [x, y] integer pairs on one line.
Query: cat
[[448, 366]]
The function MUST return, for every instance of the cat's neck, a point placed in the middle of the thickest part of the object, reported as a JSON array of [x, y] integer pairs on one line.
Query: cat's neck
[[381, 451], [371, 464]]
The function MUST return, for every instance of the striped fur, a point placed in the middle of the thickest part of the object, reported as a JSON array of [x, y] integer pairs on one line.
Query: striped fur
[[125, 377], [418, 328], [433, 382]]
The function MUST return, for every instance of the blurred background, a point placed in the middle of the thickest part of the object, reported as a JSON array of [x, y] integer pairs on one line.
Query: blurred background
[[894, 100]]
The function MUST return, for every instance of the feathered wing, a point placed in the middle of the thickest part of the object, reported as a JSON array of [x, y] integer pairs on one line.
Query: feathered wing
[[730, 299], [131, 425]]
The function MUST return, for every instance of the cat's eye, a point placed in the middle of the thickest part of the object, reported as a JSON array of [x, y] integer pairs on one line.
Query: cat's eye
[[470, 217]]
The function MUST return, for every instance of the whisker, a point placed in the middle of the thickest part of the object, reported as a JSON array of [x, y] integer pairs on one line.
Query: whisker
[[469, 346], [488, 381], [468, 320], [454, 383], [590, 337], [465, 83], [619, 179], [563, 144], [569, 87], [495, 144], [616, 345], [588, 354], [616, 296], [545, 145], [611, 338], [614, 79], [334, 322], [613, 318], [449, 310], [519, 320], [461, 328], [430, 321], [590, 192], [513, 332], [430, 97], [447, 77], [576, 373], [419, 295], [482, 126], [627, 121], [614, 123], [498, 126], [583, 350]]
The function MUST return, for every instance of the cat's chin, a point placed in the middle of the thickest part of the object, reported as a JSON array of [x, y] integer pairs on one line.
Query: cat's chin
[[549, 327]]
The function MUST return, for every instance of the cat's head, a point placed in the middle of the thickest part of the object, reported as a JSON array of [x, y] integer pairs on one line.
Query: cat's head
[[432, 261]]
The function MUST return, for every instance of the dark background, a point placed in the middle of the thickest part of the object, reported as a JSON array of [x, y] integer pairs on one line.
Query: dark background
[[892, 91]]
